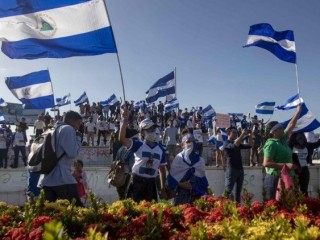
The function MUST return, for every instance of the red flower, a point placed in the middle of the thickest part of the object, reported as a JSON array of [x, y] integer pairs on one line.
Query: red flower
[[40, 221], [256, 207], [4, 220], [193, 215], [272, 203], [36, 234], [244, 212], [16, 234]]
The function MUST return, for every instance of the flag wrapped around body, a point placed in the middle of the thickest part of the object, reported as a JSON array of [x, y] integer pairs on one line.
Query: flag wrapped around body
[[34, 29], [161, 88], [281, 44], [34, 90]]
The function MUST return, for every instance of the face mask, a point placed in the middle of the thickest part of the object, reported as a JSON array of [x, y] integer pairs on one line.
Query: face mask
[[188, 148], [150, 136]]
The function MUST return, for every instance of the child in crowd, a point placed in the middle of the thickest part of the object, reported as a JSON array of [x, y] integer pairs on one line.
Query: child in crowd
[[81, 178]]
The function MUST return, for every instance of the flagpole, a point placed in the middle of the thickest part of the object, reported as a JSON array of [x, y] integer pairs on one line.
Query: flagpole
[[175, 81], [70, 100], [297, 76], [124, 95]]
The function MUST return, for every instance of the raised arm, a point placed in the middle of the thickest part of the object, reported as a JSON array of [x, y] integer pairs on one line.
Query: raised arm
[[294, 120]]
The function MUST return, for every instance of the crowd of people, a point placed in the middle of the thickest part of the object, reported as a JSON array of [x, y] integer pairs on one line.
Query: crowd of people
[[163, 150]]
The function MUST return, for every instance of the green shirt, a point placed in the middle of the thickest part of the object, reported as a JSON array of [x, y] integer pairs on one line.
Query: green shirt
[[278, 151]]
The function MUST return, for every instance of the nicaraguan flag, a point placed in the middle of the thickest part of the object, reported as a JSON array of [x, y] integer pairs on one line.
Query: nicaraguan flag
[[280, 44], [32, 29], [238, 116], [163, 87], [110, 101], [171, 105], [2, 120], [306, 122], [63, 101], [219, 144], [265, 108], [82, 99], [139, 104], [208, 112], [2, 103], [34, 89], [292, 102]]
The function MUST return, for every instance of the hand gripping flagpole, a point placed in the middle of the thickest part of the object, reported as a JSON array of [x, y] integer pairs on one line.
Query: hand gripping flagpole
[[124, 95]]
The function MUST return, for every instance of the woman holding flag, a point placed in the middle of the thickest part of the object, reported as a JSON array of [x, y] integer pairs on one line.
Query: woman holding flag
[[277, 153]]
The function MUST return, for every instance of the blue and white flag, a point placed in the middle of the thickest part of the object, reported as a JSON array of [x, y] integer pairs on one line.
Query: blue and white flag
[[208, 112], [238, 116], [171, 105], [281, 44], [163, 87], [82, 99], [110, 101], [306, 122], [63, 101], [2, 120], [34, 29], [265, 108], [139, 104], [292, 102], [219, 144], [34, 90], [2, 103]]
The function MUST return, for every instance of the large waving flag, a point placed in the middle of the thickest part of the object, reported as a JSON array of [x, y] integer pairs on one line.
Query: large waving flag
[[171, 105], [63, 101], [281, 44], [306, 122], [34, 89], [82, 99], [265, 108], [2, 103], [163, 87], [292, 102], [208, 112], [32, 29], [110, 101]]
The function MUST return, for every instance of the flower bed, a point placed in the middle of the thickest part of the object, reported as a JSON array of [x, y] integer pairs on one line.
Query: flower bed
[[208, 218]]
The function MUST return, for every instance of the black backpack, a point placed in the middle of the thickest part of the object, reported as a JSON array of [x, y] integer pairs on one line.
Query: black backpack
[[42, 158]]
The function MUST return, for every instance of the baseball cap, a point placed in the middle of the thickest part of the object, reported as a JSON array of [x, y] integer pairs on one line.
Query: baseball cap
[[147, 123]]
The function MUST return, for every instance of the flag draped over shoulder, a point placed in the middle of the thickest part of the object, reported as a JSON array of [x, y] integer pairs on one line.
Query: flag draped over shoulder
[[82, 99], [110, 101], [281, 44], [34, 89], [291, 103], [32, 29], [171, 105], [208, 112], [161, 88], [63, 101], [2, 103], [265, 108], [306, 122]]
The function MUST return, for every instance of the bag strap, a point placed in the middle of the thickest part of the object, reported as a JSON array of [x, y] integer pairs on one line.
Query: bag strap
[[55, 140]]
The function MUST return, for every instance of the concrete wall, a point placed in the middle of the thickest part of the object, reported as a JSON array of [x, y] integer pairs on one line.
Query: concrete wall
[[13, 183]]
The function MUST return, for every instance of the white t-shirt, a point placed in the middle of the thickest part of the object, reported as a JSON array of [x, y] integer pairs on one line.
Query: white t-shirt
[[90, 126]]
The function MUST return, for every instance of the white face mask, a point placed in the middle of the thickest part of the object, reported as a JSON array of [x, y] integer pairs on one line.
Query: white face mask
[[188, 148], [150, 136]]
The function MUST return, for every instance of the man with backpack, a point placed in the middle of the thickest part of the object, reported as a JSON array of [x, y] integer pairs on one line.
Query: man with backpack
[[60, 183]]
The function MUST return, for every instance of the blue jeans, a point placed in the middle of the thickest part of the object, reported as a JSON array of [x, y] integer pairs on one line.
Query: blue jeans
[[234, 176], [270, 185]]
